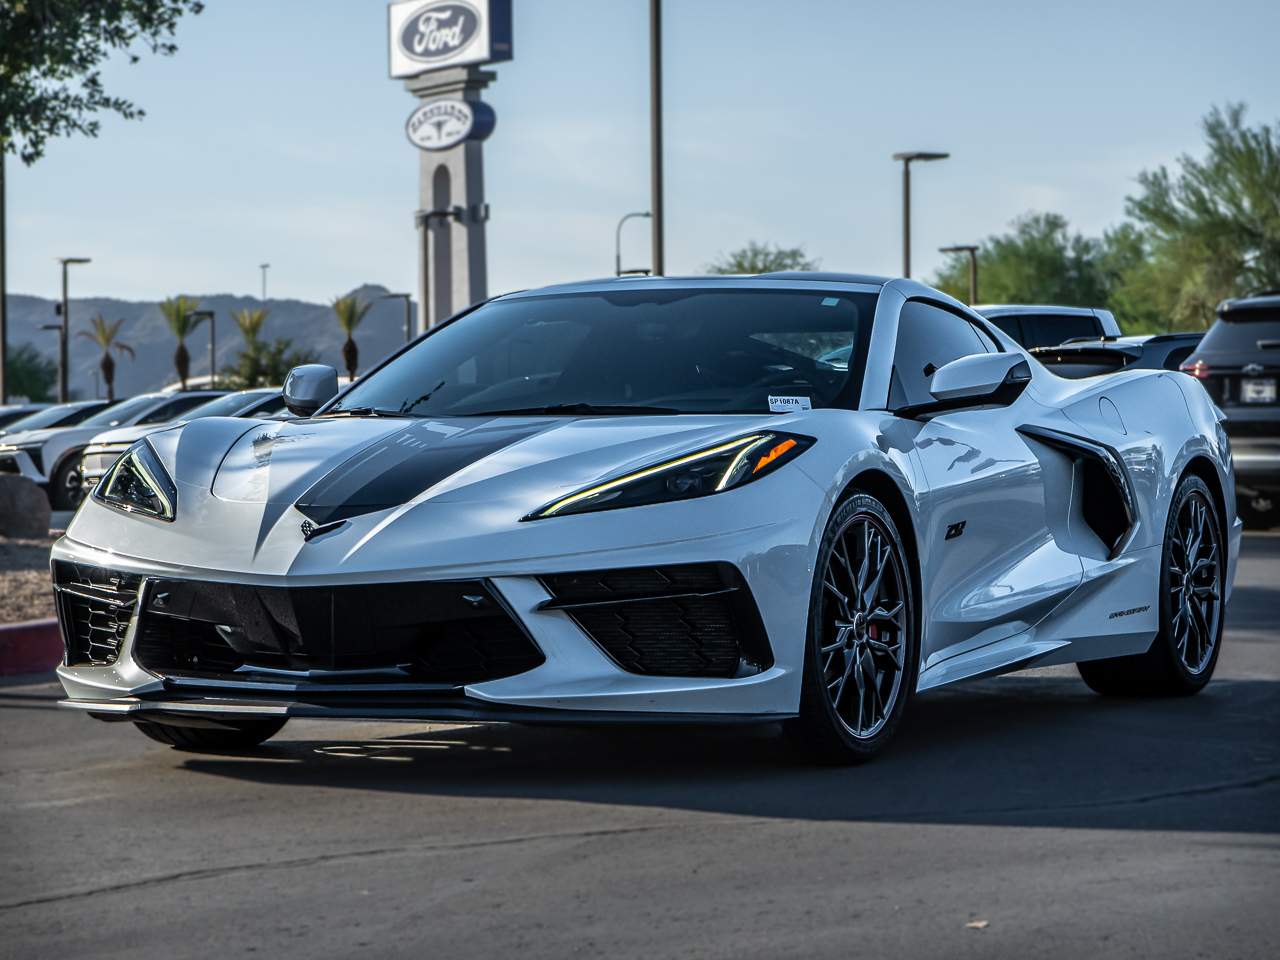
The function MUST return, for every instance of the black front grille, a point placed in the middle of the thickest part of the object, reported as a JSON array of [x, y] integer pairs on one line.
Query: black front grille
[[682, 620], [441, 632], [95, 606]]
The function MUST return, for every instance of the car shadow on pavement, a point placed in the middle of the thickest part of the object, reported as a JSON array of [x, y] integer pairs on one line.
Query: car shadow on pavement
[[1018, 750]]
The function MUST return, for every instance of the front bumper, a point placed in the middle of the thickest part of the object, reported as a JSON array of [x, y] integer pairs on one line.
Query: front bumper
[[20, 462], [578, 679]]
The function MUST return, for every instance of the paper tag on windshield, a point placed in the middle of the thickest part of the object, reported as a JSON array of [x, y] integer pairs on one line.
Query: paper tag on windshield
[[789, 404]]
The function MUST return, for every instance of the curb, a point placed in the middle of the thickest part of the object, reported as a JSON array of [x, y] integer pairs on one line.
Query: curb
[[33, 646]]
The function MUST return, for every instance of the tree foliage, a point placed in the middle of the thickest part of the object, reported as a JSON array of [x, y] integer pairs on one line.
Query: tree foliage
[[51, 54], [262, 364], [29, 373], [762, 258], [178, 315], [1208, 232], [351, 311], [104, 333]]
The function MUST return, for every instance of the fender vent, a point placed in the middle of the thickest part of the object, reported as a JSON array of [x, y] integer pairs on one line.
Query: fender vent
[[1107, 499]]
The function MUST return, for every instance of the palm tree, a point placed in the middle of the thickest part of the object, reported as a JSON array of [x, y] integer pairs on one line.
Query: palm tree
[[103, 332], [350, 311], [250, 323], [250, 364], [177, 313]]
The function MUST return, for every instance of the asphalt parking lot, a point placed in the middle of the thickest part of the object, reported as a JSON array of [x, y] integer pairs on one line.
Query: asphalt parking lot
[[1016, 816]]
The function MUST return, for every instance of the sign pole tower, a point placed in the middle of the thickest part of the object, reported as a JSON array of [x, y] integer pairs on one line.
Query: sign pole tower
[[437, 48]]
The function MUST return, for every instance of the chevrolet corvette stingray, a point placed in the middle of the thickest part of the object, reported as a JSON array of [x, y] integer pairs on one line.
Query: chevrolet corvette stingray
[[799, 498]]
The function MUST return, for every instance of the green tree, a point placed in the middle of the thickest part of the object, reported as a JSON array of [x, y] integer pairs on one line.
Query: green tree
[[1038, 261], [1214, 225], [762, 258], [51, 56], [351, 311], [262, 364], [29, 373], [104, 333], [177, 314]]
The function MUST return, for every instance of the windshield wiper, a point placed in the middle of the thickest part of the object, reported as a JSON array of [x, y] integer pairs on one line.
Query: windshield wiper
[[367, 412], [574, 409]]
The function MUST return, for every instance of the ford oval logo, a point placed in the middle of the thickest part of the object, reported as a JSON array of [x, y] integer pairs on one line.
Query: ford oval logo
[[437, 31]]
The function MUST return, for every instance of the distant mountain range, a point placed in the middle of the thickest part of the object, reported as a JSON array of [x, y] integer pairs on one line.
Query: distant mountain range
[[311, 326]]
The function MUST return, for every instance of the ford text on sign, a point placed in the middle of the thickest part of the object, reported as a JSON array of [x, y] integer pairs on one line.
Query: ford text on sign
[[434, 34]]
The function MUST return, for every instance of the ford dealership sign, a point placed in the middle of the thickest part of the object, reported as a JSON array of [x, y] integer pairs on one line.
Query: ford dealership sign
[[434, 34], [441, 124]]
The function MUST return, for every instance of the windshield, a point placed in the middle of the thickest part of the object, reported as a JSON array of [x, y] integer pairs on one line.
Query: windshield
[[227, 406], [59, 416], [642, 351], [121, 413]]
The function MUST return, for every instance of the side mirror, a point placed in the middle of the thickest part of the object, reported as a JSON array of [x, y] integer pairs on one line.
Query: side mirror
[[309, 387], [973, 381]]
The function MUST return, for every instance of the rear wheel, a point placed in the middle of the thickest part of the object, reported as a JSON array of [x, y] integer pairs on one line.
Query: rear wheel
[[242, 736], [861, 648], [1192, 571]]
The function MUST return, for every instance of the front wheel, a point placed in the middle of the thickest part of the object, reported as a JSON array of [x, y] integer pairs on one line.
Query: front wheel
[[243, 735], [1193, 569], [65, 488], [861, 651]]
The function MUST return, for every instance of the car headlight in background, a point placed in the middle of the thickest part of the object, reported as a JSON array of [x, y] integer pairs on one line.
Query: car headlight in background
[[138, 483], [105, 448], [724, 466]]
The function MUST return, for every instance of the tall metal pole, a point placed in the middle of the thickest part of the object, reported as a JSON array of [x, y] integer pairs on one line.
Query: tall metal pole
[[62, 341], [906, 218], [264, 267], [972, 250], [213, 352], [655, 134], [4, 288], [617, 241]]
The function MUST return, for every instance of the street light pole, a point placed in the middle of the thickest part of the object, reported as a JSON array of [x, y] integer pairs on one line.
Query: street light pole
[[655, 135], [264, 267], [972, 251], [197, 316], [62, 345], [906, 158], [408, 309], [4, 287], [617, 240]]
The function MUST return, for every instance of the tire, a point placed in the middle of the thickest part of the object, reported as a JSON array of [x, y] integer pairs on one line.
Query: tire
[[245, 735], [867, 639], [65, 489], [1182, 658]]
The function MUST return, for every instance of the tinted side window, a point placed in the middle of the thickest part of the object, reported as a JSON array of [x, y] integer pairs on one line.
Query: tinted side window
[[1046, 330], [928, 337], [172, 410], [1010, 326], [268, 408], [1174, 360]]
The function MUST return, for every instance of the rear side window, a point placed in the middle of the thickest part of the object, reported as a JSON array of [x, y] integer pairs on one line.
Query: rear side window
[[928, 338], [1174, 360], [1245, 332], [1049, 330]]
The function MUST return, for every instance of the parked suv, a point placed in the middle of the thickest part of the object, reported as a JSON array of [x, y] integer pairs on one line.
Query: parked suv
[[1238, 361], [51, 457], [1048, 326]]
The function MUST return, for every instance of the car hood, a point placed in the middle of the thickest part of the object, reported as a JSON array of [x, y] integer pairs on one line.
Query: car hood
[[31, 436], [128, 435]]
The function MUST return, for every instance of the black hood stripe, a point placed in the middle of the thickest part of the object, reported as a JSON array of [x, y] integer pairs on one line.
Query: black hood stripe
[[397, 468]]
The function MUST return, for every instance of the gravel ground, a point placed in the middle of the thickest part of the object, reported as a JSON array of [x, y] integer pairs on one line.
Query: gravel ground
[[24, 580]]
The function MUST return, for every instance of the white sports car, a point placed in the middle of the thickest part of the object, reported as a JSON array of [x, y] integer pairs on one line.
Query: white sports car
[[653, 500]]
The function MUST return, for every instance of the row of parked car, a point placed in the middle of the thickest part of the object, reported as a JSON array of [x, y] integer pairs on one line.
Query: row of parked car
[[65, 448]]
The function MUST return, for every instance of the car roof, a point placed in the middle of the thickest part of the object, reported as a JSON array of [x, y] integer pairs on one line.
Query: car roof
[[1031, 309], [1266, 300]]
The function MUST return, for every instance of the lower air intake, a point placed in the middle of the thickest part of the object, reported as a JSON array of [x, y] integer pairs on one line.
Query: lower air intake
[[95, 606], [683, 620]]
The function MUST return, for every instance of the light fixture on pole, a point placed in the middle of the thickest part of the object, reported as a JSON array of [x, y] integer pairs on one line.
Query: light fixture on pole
[[264, 267], [617, 241], [197, 316], [972, 251], [63, 309], [408, 309], [907, 158]]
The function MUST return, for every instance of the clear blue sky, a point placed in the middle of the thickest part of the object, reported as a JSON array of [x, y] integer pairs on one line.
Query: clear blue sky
[[275, 134]]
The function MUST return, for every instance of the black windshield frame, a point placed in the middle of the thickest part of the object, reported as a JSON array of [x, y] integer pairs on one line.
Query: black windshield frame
[[853, 318]]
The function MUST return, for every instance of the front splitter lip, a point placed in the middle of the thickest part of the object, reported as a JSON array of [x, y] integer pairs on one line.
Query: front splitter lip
[[446, 710]]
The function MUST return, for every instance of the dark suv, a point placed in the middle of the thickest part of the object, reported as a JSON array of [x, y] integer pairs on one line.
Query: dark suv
[[1238, 361]]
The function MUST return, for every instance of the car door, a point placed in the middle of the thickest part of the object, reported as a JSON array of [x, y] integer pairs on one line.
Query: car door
[[992, 567]]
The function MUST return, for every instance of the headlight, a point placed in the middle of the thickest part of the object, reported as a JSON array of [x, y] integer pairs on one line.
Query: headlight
[[138, 483], [95, 448], [698, 474]]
